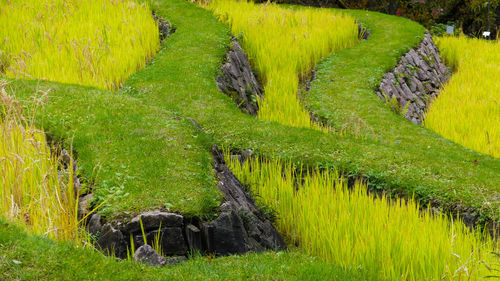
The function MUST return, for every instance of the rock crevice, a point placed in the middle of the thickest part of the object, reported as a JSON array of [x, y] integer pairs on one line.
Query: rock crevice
[[416, 80]]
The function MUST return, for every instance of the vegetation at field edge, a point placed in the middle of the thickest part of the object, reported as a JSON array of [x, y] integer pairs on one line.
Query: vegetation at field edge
[[467, 110], [32, 193], [92, 42], [353, 228]]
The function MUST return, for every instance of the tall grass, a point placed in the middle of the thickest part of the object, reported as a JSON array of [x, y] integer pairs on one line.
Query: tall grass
[[467, 110], [32, 192], [91, 42], [390, 239], [284, 45]]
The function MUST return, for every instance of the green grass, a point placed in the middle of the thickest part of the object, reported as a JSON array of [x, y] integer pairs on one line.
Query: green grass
[[400, 157], [43, 259], [142, 156], [123, 128]]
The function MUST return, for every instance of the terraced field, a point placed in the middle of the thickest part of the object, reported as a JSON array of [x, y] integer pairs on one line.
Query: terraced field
[[138, 149]]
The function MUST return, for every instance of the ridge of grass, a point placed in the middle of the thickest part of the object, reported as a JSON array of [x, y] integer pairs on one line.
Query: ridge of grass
[[31, 257]]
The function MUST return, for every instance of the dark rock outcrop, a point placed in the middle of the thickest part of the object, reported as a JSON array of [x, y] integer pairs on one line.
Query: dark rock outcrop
[[239, 228], [111, 241], [164, 27], [238, 81], [154, 220], [94, 225], [240, 219], [416, 80]]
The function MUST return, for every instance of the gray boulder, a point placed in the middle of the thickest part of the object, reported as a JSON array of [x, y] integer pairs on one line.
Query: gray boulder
[[147, 255]]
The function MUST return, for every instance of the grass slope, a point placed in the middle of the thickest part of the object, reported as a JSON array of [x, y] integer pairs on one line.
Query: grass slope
[[43, 259], [144, 156], [132, 128]]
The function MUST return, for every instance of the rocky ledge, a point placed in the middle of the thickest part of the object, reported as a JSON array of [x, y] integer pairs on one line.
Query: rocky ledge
[[239, 228], [238, 81], [416, 80]]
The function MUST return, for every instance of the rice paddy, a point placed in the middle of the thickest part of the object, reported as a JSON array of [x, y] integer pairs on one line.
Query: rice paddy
[[32, 191], [90, 42], [467, 111], [393, 240], [284, 45]]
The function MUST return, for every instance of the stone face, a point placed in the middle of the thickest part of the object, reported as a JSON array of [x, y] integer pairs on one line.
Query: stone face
[[111, 241], [420, 73], [94, 225], [147, 255], [175, 260], [164, 27], [238, 81], [229, 232], [83, 205], [193, 238], [173, 242], [153, 220], [226, 235]]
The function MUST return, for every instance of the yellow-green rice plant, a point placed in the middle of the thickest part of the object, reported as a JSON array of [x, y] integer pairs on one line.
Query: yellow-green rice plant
[[31, 191], [283, 45], [391, 239], [90, 42], [467, 110]]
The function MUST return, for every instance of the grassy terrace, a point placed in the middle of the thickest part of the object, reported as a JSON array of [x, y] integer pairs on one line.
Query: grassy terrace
[[43, 259], [122, 134], [147, 157]]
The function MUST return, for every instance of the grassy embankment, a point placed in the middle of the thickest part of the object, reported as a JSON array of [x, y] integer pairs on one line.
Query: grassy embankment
[[34, 196], [284, 45], [100, 43], [354, 229], [467, 111]]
